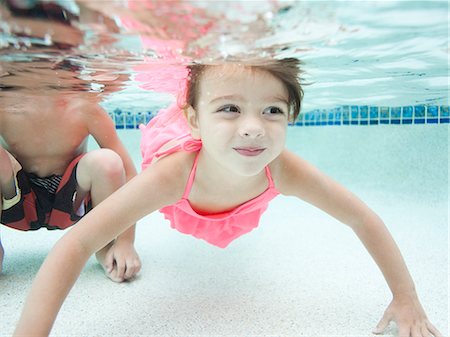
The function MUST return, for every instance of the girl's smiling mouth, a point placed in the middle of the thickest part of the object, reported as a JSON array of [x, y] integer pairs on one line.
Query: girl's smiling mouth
[[249, 151]]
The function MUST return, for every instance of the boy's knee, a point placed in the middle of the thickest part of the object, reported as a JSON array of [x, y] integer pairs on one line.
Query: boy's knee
[[101, 166], [109, 163]]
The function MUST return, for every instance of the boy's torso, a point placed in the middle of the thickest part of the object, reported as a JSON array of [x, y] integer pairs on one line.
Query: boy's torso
[[44, 136]]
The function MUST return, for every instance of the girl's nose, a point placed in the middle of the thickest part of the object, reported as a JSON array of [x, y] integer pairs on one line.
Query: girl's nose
[[251, 128]]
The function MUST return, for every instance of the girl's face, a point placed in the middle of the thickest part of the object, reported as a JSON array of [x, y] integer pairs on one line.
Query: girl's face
[[241, 117]]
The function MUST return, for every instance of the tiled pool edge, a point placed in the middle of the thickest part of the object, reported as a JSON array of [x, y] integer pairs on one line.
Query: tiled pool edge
[[375, 115], [340, 115]]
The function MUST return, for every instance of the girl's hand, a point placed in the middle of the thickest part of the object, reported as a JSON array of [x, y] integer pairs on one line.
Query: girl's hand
[[411, 320]]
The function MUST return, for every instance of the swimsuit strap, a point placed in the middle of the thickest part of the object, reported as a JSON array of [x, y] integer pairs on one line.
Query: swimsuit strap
[[191, 177], [269, 177], [183, 142], [176, 147]]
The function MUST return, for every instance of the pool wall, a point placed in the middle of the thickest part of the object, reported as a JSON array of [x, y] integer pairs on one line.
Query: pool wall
[[340, 115]]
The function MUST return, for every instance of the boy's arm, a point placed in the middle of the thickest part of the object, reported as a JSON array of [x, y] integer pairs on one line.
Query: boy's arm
[[294, 176], [102, 128], [110, 218], [121, 260]]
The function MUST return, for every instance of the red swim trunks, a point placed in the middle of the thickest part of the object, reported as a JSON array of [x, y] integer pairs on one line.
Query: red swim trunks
[[46, 202]]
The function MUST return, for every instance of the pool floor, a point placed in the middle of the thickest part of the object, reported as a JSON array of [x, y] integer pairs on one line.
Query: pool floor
[[299, 273]]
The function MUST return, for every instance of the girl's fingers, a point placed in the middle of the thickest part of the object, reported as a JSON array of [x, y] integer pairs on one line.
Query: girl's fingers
[[426, 332], [416, 331], [404, 332], [382, 324], [435, 332]]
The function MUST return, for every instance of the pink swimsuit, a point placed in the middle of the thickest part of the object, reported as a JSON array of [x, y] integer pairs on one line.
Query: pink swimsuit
[[219, 229]]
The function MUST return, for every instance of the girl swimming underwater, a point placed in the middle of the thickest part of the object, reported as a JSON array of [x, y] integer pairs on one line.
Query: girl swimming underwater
[[211, 168]]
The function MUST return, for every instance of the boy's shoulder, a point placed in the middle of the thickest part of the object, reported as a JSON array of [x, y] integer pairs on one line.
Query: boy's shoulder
[[84, 106], [85, 112]]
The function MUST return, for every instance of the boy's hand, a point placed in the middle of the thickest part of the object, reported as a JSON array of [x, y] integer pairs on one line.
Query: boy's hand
[[411, 320], [121, 261]]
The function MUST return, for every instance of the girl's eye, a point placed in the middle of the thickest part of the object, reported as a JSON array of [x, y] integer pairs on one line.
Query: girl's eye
[[273, 110], [229, 108]]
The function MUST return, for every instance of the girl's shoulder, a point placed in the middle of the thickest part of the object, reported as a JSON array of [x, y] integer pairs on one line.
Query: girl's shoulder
[[171, 172], [290, 172]]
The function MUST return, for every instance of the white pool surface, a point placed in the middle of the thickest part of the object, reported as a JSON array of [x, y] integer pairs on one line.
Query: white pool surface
[[300, 273]]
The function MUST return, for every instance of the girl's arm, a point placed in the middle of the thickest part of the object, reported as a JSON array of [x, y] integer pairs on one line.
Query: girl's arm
[[294, 176], [154, 188]]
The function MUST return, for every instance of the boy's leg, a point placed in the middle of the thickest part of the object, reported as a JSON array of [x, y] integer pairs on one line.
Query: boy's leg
[[7, 185], [100, 173], [2, 254], [7, 188]]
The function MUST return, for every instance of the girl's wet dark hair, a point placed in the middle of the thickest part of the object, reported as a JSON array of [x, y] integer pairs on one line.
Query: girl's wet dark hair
[[287, 70]]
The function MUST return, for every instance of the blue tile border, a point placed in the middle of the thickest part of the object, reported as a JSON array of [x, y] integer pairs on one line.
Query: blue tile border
[[130, 120], [376, 115], [340, 115]]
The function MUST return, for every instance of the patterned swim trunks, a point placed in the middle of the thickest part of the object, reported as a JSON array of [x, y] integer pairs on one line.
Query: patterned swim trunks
[[44, 202]]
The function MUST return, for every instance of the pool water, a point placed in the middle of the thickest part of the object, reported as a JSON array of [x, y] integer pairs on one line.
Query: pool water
[[377, 110], [380, 54]]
